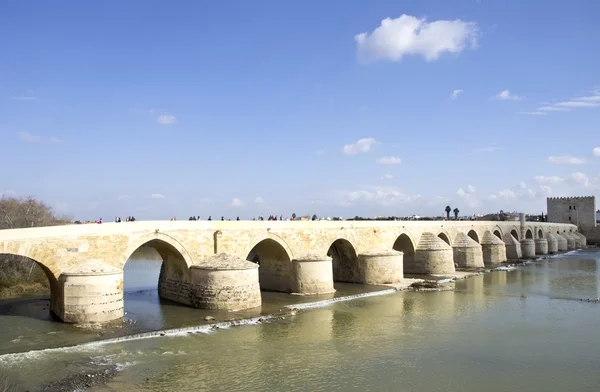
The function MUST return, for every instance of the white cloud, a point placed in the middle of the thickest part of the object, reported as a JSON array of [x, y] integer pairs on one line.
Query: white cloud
[[552, 180], [166, 119], [389, 161], [568, 183], [468, 196], [596, 151], [29, 138], [505, 95], [259, 200], [456, 93], [538, 113], [382, 195], [24, 98], [157, 196], [55, 140], [387, 176], [486, 149], [580, 179], [592, 101], [235, 202], [361, 145], [546, 190], [320, 152], [593, 98], [554, 109], [578, 104], [504, 194], [124, 197], [566, 160], [409, 35]]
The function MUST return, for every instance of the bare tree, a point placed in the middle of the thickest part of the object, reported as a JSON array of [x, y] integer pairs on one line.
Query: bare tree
[[16, 214]]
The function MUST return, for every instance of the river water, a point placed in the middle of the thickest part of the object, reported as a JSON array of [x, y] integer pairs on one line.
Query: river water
[[524, 329]]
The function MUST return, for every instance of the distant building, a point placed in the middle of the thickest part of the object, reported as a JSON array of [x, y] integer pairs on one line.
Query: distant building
[[580, 211], [598, 216]]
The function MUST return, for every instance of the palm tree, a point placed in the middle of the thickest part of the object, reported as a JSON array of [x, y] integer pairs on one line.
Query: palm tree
[[448, 209], [294, 216], [456, 211]]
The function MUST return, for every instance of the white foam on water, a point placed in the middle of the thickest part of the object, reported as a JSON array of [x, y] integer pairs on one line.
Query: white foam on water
[[28, 356], [326, 302], [505, 268], [15, 358], [442, 281]]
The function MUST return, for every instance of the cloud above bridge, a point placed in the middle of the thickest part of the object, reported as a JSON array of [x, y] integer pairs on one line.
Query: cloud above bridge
[[235, 202], [566, 160], [412, 36], [361, 146]]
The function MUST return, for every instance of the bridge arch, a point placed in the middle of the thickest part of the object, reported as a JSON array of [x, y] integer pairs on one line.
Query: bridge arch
[[404, 243], [473, 235], [529, 234], [344, 260], [174, 281], [28, 266], [265, 236], [497, 231], [275, 265], [163, 243], [515, 233], [444, 236], [539, 232]]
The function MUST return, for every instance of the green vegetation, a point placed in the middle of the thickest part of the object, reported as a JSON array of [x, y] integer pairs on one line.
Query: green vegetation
[[20, 275]]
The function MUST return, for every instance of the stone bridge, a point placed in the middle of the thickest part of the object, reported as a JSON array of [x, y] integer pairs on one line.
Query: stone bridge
[[204, 262]]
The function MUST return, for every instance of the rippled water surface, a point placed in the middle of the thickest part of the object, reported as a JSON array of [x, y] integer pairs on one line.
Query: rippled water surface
[[522, 330]]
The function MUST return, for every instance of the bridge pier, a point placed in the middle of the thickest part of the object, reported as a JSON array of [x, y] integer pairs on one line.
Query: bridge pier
[[380, 266], [313, 274], [513, 247], [563, 244], [552, 243], [432, 256], [225, 282], [527, 248], [91, 294], [467, 252], [541, 246], [581, 238], [174, 284], [493, 249], [571, 242]]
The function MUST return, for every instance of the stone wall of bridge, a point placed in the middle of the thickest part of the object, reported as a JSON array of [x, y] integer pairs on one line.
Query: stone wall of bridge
[[290, 254]]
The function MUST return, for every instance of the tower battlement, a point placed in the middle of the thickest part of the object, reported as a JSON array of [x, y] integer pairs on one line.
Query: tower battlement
[[578, 210]]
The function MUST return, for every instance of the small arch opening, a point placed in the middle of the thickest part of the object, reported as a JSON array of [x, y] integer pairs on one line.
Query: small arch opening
[[155, 268], [444, 237], [22, 276], [540, 233], [529, 234], [473, 235], [275, 272], [344, 261], [515, 234], [497, 234], [404, 244]]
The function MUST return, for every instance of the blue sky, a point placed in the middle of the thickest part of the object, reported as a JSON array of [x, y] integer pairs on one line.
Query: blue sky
[[157, 109]]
